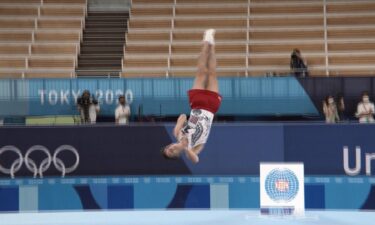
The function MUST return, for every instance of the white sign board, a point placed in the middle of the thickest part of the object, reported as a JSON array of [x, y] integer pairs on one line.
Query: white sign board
[[282, 188]]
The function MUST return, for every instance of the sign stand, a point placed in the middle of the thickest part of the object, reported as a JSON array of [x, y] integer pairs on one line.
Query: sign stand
[[282, 189]]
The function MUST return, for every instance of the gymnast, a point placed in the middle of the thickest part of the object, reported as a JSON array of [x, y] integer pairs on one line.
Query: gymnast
[[204, 98]]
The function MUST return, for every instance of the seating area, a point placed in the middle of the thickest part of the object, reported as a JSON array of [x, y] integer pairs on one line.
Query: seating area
[[40, 38], [254, 37], [350, 37]]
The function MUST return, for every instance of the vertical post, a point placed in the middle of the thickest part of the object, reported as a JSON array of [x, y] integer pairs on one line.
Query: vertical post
[[171, 38], [130, 10], [326, 38], [130, 14], [122, 62], [83, 23], [126, 38], [76, 56], [38, 17], [247, 38], [85, 8], [27, 67], [39, 9]]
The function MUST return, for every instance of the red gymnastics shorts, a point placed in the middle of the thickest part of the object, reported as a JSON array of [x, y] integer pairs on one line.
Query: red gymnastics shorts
[[204, 99]]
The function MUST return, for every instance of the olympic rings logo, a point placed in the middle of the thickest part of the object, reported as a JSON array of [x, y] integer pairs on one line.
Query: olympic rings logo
[[44, 165]]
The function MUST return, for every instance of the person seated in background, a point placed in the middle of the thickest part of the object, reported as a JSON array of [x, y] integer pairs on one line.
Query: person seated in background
[[88, 108], [298, 64], [365, 109], [330, 110], [122, 112]]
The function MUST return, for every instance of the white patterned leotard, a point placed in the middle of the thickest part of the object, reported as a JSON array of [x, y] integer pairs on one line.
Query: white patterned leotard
[[198, 127]]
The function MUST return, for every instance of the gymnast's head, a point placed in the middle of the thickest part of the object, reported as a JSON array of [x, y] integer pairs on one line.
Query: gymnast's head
[[172, 151]]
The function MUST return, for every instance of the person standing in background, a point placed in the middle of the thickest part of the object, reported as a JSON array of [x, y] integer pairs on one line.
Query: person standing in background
[[365, 109], [88, 108], [122, 112], [330, 110], [298, 65], [341, 107]]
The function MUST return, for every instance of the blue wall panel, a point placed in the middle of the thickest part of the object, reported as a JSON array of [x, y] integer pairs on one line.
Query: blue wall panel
[[9, 199], [146, 180], [232, 149], [320, 147], [120, 197], [329, 192]]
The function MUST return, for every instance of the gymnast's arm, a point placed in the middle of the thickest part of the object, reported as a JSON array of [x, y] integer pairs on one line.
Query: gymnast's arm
[[180, 123], [192, 154]]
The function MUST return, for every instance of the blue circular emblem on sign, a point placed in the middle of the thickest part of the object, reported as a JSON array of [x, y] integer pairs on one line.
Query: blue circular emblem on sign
[[281, 185]]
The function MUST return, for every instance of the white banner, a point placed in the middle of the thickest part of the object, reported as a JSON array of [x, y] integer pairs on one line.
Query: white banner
[[282, 188]]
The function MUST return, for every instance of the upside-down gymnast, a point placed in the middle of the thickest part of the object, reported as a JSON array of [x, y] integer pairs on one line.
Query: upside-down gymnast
[[205, 100]]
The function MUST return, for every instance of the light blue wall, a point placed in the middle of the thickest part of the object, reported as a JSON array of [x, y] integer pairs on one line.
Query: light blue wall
[[241, 96]]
